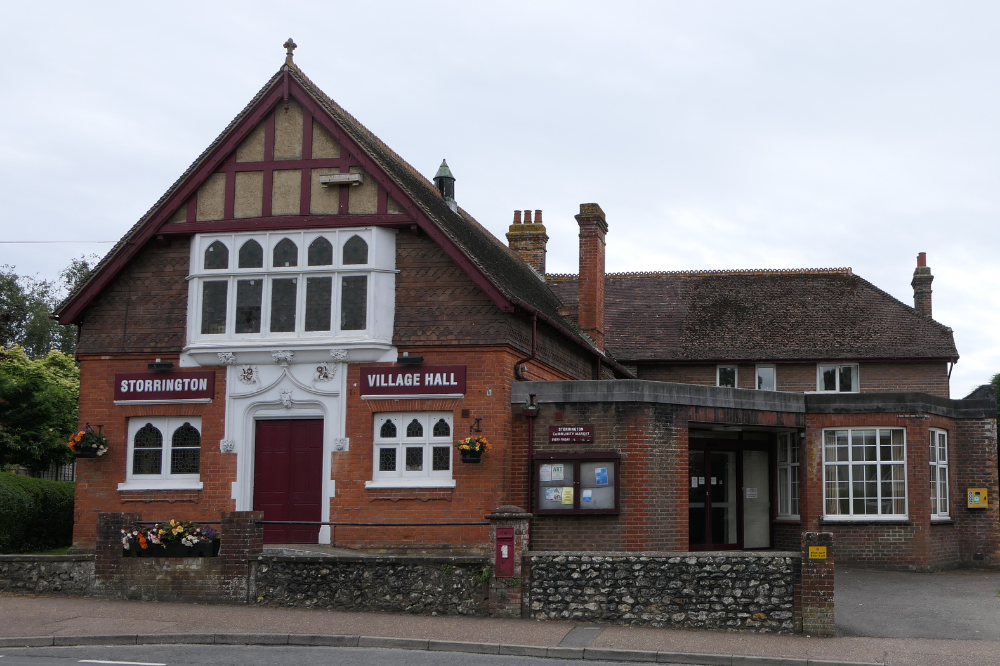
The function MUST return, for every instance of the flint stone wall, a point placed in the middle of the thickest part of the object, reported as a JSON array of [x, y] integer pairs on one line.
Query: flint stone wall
[[706, 590], [399, 584], [48, 574]]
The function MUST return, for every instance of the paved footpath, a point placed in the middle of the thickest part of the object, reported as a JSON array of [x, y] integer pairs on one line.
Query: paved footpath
[[62, 620]]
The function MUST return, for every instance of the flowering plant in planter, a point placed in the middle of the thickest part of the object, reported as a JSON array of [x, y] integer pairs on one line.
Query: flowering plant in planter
[[472, 448], [86, 443], [183, 533]]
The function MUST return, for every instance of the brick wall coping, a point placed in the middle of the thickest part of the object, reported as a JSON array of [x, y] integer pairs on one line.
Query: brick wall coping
[[980, 404], [377, 559], [46, 558], [583, 556]]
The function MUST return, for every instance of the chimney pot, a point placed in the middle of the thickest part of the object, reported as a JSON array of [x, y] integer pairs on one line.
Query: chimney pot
[[921, 284], [529, 241]]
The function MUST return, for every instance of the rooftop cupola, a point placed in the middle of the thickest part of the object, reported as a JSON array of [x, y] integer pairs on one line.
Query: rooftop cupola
[[445, 182]]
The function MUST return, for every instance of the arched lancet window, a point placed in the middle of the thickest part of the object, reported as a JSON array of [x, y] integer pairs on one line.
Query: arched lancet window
[[286, 253], [415, 429], [388, 430], [355, 251], [320, 252], [442, 429], [147, 457], [216, 256], [251, 255], [185, 450]]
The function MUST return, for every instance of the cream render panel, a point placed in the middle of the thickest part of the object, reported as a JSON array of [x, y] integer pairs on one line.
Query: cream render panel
[[249, 198], [324, 145], [252, 147], [363, 198], [212, 198], [323, 200], [286, 192], [288, 131]]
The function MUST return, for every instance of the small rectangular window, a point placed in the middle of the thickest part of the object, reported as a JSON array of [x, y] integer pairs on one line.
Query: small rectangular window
[[788, 475], [283, 295], [837, 378], [213, 307], [766, 378], [248, 302], [319, 293], [726, 376], [354, 303], [939, 474]]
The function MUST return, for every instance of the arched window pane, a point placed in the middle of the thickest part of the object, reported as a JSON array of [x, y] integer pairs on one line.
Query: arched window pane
[[415, 429], [185, 450], [147, 455], [286, 253], [251, 255], [217, 256], [441, 428], [320, 252], [388, 430], [355, 251]]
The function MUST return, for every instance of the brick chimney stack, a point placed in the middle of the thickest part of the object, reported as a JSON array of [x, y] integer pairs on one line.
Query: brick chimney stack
[[528, 239], [593, 228], [921, 284]]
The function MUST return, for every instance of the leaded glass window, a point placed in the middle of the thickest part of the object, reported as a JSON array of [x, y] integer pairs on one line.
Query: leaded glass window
[[147, 456], [442, 429], [283, 294], [413, 449], [355, 251], [414, 429], [320, 252], [319, 298], [354, 303], [249, 294], [286, 253], [217, 256], [388, 430], [251, 255], [185, 450], [213, 307]]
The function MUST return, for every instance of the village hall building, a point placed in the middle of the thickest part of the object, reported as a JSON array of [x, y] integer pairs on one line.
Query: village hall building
[[305, 325]]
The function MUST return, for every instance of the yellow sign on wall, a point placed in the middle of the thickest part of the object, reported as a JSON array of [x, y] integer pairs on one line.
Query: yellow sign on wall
[[977, 498], [817, 552]]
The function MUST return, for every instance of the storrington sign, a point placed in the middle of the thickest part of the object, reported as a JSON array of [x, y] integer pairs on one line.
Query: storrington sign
[[426, 380], [159, 386]]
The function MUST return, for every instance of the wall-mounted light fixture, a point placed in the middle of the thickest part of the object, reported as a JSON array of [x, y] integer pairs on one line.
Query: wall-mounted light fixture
[[406, 359], [160, 365]]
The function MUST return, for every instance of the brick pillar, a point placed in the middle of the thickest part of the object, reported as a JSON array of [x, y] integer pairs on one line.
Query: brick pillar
[[814, 593], [921, 284], [108, 555], [505, 589], [529, 239], [593, 229], [242, 542]]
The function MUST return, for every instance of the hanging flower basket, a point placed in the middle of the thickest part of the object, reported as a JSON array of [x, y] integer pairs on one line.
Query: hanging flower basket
[[86, 443], [177, 538], [472, 449]]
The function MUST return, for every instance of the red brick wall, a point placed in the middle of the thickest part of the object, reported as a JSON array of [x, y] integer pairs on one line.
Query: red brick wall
[[97, 479], [144, 309], [916, 543], [929, 378], [652, 442]]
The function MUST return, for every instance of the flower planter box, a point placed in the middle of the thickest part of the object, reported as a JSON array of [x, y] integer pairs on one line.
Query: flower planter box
[[471, 456], [207, 548], [89, 453]]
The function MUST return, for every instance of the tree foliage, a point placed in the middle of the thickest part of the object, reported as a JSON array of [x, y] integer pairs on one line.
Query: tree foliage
[[38, 407]]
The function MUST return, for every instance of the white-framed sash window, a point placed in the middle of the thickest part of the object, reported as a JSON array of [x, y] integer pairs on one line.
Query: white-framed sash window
[[837, 378], [412, 449], [939, 475], [788, 475], [164, 452], [864, 473], [766, 378]]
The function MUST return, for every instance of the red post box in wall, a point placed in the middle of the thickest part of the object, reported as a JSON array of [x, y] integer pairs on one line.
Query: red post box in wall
[[505, 552]]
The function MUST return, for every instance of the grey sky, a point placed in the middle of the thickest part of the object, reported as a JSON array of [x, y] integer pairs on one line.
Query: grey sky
[[713, 134]]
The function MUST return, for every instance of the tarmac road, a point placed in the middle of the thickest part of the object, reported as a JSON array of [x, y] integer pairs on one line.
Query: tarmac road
[[901, 604], [220, 655]]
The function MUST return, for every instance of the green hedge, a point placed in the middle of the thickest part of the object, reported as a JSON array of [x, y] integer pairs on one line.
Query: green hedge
[[35, 514]]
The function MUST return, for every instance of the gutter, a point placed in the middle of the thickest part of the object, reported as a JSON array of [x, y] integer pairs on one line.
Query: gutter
[[601, 356]]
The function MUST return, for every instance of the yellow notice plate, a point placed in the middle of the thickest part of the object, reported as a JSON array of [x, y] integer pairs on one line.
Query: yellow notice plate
[[817, 552], [567, 495], [977, 498]]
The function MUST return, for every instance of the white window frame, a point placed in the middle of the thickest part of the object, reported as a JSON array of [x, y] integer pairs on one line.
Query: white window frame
[[838, 366], [940, 505], [380, 260], [167, 425], [736, 375], [400, 478], [851, 464], [757, 370], [789, 483]]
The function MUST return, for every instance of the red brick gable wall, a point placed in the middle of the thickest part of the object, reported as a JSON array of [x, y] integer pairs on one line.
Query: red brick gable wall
[[145, 308]]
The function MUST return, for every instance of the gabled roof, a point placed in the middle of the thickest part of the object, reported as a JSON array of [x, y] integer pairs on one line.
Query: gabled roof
[[504, 276], [763, 315]]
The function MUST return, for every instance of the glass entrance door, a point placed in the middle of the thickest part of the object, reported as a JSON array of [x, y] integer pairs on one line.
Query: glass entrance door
[[713, 500]]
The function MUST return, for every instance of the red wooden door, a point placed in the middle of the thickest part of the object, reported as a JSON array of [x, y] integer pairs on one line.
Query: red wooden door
[[288, 478]]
